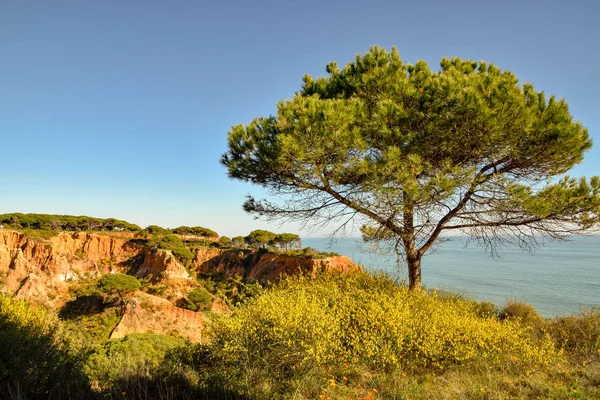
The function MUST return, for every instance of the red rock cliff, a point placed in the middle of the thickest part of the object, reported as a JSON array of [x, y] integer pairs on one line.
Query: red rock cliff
[[266, 267]]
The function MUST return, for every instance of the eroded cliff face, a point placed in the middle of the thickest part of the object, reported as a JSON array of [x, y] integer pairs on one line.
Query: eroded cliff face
[[43, 271], [266, 267], [161, 264], [39, 270], [147, 313]]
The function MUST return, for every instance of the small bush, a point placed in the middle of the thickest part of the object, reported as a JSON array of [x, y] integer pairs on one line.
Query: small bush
[[93, 328], [37, 359], [486, 309], [520, 311], [579, 334], [170, 242], [157, 290], [135, 356], [157, 230], [225, 241], [118, 283], [201, 298], [183, 253], [233, 290], [310, 252], [199, 243]]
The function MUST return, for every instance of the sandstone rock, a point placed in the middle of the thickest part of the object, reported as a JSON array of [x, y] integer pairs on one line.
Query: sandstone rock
[[62, 258], [147, 313], [218, 306], [162, 263], [266, 267]]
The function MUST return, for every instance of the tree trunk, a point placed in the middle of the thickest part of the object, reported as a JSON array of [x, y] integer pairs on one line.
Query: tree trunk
[[413, 261], [413, 256], [414, 272]]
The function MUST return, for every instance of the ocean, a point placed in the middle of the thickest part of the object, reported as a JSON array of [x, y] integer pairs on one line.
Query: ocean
[[559, 278]]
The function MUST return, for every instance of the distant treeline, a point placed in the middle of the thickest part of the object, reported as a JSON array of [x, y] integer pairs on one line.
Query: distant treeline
[[182, 230], [84, 223], [65, 222]]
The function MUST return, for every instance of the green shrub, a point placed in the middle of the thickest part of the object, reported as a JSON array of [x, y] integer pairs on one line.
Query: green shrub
[[200, 297], [183, 253], [232, 289], [93, 328], [195, 243], [37, 359], [156, 230], [137, 355], [314, 253], [118, 283], [87, 287], [170, 242], [225, 241], [157, 290], [175, 245]]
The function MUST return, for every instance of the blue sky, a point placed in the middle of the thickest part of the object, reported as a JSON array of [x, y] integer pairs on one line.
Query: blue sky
[[121, 108]]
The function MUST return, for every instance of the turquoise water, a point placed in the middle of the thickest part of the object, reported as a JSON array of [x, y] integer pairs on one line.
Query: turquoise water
[[559, 278]]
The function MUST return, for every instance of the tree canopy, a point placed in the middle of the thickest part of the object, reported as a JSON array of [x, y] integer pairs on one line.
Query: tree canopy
[[64, 222], [287, 241], [195, 231], [411, 153], [260, 237], [119, 283]]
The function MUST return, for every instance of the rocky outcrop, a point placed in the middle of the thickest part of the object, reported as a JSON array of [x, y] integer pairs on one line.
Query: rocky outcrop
[[162, 264], [266, 267], [68, 250], [271, 267], [94, 247], [39, 270], [147, 313]]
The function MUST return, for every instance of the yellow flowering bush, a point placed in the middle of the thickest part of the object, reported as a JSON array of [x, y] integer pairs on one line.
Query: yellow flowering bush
[[37, 361], [358, 318]]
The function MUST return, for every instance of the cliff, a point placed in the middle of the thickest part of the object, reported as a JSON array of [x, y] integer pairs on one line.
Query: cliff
[[25, 264], [266, 267], [43, 272], [147, 313]]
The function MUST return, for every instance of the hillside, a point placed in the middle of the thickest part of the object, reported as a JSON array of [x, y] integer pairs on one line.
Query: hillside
[[56, 270]]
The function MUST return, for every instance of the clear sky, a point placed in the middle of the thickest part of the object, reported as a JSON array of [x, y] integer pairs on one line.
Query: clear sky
[[121, 109]]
